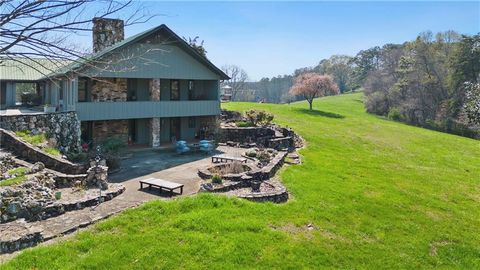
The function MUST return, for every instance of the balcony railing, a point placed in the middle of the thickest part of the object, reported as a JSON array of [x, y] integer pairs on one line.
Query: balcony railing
[[88, 111]]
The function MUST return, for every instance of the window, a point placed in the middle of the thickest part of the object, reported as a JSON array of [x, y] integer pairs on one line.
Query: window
[[174, 90], [82, 89], [191, 87], [61, 87], [191, 122]]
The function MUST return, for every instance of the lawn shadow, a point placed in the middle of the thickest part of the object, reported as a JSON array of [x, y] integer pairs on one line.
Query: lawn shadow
[[319, 113]]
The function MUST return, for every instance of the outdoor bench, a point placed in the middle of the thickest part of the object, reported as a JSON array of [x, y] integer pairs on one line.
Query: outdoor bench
[[162, 185]]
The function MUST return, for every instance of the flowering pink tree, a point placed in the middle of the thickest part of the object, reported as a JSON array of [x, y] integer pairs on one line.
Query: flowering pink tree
[[313, 85]]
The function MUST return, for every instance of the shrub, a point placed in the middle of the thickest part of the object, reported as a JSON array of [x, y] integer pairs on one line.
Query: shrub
[[113, 145], [251, 153], [77, 156], [30, 99], [259, 117], [244, 124], [395, 114], [216, 179]]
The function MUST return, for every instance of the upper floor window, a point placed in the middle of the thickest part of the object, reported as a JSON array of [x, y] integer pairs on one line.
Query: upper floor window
[[191, 87], [174, 90], [82, 89]]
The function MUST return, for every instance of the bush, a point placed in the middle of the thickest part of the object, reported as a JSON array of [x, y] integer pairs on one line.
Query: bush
[[244, 124], [30, 99], [112, 145], [77, 156], [216, 179], [251, 153], [259, 117], [395, 114]]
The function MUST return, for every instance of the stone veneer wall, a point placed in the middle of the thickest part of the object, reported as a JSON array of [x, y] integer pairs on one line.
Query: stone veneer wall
[[106, 32], [64, 127], [109, 89], [110, 128], [154, 87]]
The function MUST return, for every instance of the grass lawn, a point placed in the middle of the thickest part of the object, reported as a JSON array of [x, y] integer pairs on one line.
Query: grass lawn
[[378, 194]]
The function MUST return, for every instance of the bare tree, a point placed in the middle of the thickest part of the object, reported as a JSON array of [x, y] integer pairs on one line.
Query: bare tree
[[238, 79], [32, 29]]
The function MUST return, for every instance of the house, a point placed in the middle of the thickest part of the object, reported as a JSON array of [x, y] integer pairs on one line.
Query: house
[[149, 89], [226, 93]]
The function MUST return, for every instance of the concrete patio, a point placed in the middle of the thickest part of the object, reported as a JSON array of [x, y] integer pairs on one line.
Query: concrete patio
[[164, 164]]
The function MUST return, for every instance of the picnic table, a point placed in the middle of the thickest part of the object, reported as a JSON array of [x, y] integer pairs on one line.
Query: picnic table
[[161, 184], [220, 158]]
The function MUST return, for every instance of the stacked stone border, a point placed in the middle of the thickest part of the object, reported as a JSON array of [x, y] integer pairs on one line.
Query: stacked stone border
[[262, 174], [244, 180], [280, 195], [26, 151]]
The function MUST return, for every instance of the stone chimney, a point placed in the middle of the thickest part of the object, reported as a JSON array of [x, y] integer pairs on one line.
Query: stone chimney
[[106, 32]]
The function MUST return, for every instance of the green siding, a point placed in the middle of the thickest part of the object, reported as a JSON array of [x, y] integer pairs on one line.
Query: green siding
[[153, 61], [88, 111]]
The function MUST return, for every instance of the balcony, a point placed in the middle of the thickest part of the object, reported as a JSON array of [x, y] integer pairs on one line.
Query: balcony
[[92, 111]]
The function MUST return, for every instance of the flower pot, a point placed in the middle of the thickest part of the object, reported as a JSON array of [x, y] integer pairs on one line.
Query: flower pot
[[58, 195]]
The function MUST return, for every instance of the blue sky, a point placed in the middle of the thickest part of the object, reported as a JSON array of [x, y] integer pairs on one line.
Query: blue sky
[[272, 38]]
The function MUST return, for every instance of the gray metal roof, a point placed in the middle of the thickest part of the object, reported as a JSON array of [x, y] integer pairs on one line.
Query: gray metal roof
[[28, 69]]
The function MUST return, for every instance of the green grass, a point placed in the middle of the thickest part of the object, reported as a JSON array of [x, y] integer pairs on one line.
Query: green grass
[[30, 138], [380, 195], [13, 181], [18, 171], [52, 151], [18, 179]]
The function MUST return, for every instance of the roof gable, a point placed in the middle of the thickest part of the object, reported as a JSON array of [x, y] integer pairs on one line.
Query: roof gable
[[170, 38]]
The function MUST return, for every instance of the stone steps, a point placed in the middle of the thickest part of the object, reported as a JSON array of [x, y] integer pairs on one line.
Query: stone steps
[[17, 235]]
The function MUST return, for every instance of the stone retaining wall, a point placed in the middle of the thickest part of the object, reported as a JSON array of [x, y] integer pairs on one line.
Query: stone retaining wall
[[16, 240], [63, 127], [24, 150], [259, 135]]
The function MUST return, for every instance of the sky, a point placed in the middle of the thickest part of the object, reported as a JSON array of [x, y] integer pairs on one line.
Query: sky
[[274, 38]]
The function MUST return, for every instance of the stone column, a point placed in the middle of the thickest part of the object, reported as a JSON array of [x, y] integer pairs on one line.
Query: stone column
[[154, 86]]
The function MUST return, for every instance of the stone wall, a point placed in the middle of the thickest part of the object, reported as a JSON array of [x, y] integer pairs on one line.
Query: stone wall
[[103, 130], [106, 32], [246, 134], [63, 127], [279, 196], [24, 150], [109, 89]]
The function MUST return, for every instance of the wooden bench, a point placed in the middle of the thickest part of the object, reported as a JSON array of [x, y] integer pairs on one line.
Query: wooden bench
[[161, 184], [218, 158]]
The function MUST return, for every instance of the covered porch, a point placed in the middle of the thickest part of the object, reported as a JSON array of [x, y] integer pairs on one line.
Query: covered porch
[[158, 133]]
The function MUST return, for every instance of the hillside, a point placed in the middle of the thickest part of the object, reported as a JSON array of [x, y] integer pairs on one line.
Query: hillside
[[370, 194]]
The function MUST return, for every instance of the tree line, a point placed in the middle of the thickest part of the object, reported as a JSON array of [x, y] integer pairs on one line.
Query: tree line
[[432, 81], [427, 82]]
